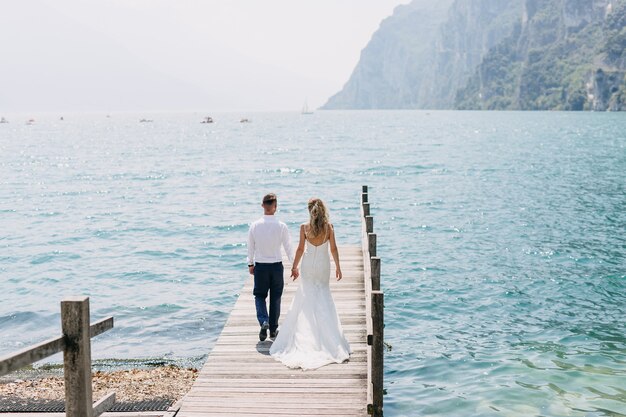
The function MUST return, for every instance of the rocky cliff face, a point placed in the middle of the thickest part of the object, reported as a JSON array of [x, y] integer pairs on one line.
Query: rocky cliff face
[[492, 54], [607, 88], [425, 52], [393, 67], [472, 28]]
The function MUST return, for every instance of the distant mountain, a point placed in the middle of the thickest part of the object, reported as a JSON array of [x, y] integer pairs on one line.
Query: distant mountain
[[492, 54]]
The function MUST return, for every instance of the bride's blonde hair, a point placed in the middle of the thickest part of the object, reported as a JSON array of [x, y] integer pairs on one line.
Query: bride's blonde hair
[[318, 220]]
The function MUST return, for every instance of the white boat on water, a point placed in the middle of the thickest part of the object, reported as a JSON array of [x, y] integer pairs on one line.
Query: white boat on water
[[305, 108], [3, 120]]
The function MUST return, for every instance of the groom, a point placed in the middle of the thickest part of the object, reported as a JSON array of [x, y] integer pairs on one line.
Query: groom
[[265, 238]]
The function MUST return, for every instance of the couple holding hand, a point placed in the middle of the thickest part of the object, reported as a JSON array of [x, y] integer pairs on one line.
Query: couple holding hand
[[311, 335]]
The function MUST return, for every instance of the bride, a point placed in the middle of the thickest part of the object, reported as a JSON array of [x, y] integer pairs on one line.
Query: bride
[[311, 335]]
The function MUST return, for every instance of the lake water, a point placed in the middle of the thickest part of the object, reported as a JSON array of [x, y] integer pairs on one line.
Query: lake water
[[502, 237]]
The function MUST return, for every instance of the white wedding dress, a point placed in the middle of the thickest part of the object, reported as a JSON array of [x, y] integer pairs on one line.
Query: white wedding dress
[[311, 335]]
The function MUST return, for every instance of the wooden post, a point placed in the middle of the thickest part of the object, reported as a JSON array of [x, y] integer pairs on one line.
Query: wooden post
[[77, 357], [364, 198], [375, 268], [369, 224], [366, 209], [371, 243], [377, 352]]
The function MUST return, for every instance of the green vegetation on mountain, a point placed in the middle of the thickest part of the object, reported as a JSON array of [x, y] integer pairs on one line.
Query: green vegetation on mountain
[[555, 61], [494, 55]]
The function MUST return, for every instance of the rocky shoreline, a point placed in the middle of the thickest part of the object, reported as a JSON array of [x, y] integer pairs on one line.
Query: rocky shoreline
[[132, 385]]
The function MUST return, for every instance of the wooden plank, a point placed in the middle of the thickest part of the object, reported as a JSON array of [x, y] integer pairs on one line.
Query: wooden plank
[[279, 411], [281, 397], [262, 413], [292, 383], [282, 401]]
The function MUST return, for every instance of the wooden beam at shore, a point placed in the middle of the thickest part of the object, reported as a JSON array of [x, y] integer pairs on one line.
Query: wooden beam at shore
[[14, 361], [31, 354]]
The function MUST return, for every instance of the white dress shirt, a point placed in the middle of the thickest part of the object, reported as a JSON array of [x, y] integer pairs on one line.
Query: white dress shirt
[[265, 238]]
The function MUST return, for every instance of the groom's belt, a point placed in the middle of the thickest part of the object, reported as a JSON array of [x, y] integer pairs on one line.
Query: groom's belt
[[269, 263]]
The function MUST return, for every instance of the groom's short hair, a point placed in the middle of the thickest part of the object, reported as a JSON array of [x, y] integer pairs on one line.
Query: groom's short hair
[[269, 199]]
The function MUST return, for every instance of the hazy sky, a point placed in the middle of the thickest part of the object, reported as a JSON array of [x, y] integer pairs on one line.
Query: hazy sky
[[213, 55]]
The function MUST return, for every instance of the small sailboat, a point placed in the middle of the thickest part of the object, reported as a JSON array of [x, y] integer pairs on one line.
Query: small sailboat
[[207, 119], [305, 108], [3, 120]]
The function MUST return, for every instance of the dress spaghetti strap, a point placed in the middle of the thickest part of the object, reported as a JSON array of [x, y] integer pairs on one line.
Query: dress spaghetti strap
[[327, 227]]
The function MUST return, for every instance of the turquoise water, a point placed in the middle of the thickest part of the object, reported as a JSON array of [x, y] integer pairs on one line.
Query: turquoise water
[[503, 239]]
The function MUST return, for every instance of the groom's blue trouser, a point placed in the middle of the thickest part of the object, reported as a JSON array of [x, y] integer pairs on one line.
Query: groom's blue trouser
[[268, 278]]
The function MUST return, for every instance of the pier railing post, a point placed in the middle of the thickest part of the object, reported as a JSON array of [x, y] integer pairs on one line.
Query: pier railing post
[[374, 311], [369, 224], [371, 243], [375, 267], [77, 357], [377, 353]]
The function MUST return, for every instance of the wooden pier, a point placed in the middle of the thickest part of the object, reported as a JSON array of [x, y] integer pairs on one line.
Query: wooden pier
[[239, 377]]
